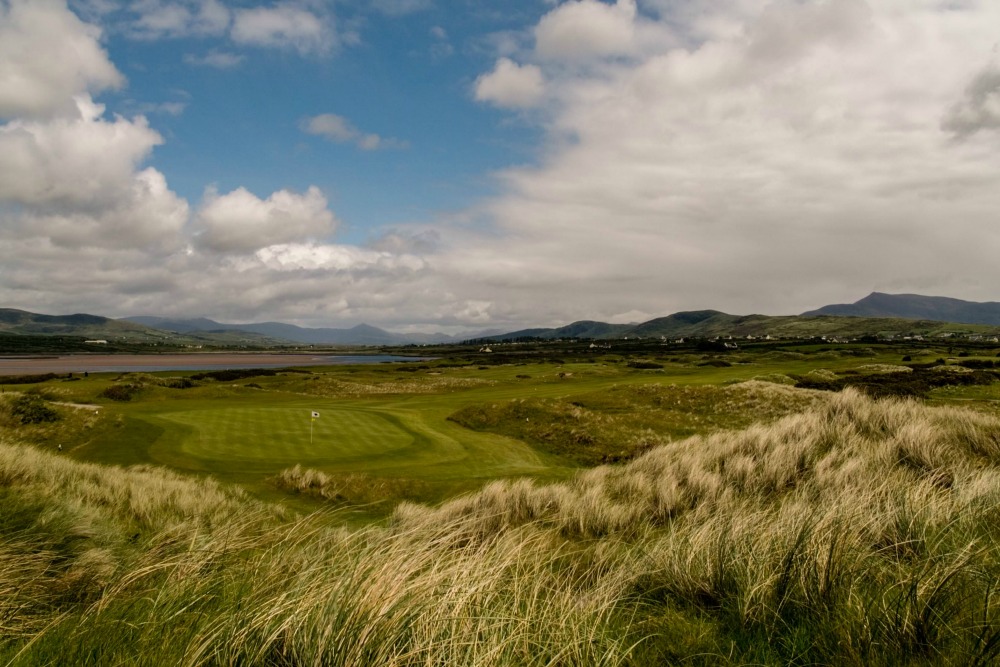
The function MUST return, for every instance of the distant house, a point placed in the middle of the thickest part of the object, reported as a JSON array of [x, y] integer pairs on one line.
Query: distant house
[[96, 342]]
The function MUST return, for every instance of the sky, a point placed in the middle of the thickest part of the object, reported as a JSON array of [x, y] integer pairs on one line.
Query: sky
[[462, 165]]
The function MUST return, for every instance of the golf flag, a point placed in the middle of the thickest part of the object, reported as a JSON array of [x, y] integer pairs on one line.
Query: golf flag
[[315, 415]]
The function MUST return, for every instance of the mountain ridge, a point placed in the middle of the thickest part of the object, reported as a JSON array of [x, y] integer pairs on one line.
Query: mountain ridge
[[361, 334], [875, 314], [100, 328], [916, 306]]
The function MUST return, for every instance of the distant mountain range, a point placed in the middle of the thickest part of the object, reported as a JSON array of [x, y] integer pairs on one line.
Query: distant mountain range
[[362, 334], [877, 313], [711, 323], [23, 322], [917, 307], [96, 327]]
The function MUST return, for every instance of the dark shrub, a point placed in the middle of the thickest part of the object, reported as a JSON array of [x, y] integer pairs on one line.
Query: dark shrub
[[230, 375], [121, 392], [31, 409], [647, 365], [717, 363], [28, 379], [908, 385]]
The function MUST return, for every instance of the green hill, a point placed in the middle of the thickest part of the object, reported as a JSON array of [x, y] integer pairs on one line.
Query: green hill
[[94, 327]]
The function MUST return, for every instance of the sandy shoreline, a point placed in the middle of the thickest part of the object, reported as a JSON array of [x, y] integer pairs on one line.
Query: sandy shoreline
[[96, 363]]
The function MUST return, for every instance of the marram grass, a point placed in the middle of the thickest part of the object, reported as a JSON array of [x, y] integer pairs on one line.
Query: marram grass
[[855, 533]]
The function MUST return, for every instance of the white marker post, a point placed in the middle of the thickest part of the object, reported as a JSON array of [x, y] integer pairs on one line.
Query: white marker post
[[315, 416]]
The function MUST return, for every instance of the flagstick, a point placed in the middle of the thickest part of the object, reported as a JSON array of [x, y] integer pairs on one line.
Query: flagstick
[[311, 420]]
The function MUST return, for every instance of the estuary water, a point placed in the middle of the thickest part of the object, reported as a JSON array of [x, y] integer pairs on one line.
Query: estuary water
[[148, 363]]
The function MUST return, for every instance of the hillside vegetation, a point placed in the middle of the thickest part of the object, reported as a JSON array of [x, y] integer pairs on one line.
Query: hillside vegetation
[[858, 532]]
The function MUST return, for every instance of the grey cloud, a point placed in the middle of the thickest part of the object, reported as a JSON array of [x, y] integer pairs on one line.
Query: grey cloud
[[785, 30], [979, 108], [404, 242]]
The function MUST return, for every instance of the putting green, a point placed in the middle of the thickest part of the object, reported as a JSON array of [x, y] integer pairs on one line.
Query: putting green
[[250, 436]]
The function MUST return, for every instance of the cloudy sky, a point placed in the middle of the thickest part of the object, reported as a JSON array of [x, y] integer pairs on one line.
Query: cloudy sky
[[458, 165]]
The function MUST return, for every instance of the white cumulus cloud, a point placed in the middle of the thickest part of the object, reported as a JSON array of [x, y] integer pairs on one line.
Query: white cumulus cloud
[[284, 25], [511, 85], [239, 221], [85, 161], [149, 216], [47, 55], [155, 19]]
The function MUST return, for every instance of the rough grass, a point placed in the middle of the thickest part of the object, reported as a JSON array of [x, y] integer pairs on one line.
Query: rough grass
[[355, 488], [625, 421], [885, 380], [857, 532]]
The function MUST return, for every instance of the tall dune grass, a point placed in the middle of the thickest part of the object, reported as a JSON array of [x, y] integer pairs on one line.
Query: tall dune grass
[[857, 533]]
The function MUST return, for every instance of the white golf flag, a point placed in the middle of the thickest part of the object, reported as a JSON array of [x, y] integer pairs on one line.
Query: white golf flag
[[315, 415]]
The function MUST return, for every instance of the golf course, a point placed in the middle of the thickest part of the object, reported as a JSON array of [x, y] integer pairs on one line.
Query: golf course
[[448, 426], [646, 505]]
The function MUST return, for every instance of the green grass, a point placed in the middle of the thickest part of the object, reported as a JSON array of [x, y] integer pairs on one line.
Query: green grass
[[248, 437], [439, 427], [857, 532]]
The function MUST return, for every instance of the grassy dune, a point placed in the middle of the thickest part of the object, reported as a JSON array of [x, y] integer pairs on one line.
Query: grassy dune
[[856, 532]]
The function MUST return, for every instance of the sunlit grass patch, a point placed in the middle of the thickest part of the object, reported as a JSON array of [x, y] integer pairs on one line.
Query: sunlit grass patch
[[287, 435]]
